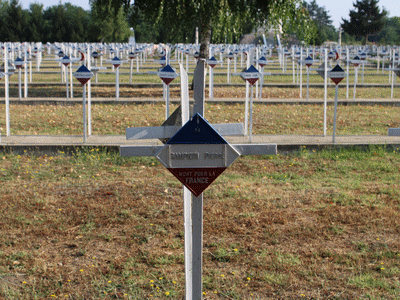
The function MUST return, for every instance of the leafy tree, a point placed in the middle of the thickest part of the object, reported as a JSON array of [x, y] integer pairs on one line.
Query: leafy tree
[[390, 33], [3, 15], [109, 27], [322, 21], [145, 31], [56, 20], [297, 20], [66, 23], [366, 19], [77, 20], [36, 23], [184, 15], [16, 21]]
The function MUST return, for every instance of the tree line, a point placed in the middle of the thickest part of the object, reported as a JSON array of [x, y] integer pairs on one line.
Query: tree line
[[60, 23], [110, 21]]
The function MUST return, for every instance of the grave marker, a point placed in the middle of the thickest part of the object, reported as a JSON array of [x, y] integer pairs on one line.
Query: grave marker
[[212, 62], [336, 75], [131, 56], [83, 75], [308, 61], [356, 61], [116, 62], [262, 62], [18, 65], [251, 75], [162, 61], [167, 75], [193, 205], [230, 56], [65, 61], [196, 155]]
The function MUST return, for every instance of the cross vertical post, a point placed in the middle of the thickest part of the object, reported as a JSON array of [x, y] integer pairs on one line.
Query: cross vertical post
[[325, 87], [193, 208], [198, 139], [6, 88]]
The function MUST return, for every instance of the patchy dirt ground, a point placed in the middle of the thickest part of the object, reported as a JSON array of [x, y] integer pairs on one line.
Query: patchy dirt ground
[[98, 226]]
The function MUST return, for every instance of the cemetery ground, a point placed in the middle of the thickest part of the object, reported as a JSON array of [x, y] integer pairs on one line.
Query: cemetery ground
[[308, 225], [235, 92]]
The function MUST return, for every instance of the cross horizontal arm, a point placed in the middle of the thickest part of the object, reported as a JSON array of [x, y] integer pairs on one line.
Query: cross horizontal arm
[[165, 132], [127, 151], [243, 149], [256, 149]]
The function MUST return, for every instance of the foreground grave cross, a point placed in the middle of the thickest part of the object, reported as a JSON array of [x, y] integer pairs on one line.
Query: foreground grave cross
[[196, 155]]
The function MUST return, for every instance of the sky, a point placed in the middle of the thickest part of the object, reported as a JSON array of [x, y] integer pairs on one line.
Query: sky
[[337, 9]]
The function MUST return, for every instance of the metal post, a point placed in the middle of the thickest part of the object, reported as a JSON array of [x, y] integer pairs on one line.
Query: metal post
[[117, 83], [362, 77], [187, 63], [71, 84], [308, 82], [19, 84], [325, 87], [335, 113], [261, 82], [6, 90], [393, 77], [228, 75], [294, 75], [246, 104], [251, 115], [197, 248], [95, 73], [66, 79], [257, 66], [84, 112], [355, 82], [89, 114], [211, 85], [26, 74], [301, 72], [347, 79], [30, 66], [167, 101]]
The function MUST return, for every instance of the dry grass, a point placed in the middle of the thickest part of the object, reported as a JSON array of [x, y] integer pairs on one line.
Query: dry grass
[[93, 225], [268, 119], [303, 226]]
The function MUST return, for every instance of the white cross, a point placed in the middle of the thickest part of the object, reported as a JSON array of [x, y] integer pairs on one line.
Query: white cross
[[193, 206]]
